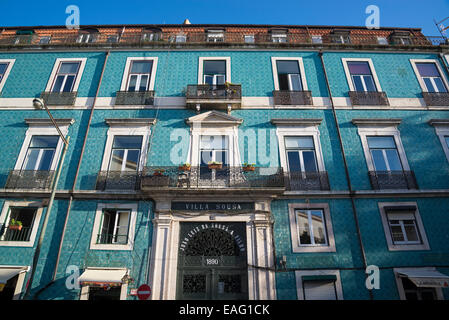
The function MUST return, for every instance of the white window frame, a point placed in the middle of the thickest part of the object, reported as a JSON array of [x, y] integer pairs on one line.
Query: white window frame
[[397, 271], [418, 75], [3, 216], [97, 226], [380, 127], [84, 293], [279, 37], [215, 34], [418, 223], [43, 128], [330, 239], [442, 131], [126, 129], [317, 39], [300, 287], [349, 76], [201, 67], [301, 70], [54, 72], [181, 36], [249, 36], [10, 63], [126, 73]]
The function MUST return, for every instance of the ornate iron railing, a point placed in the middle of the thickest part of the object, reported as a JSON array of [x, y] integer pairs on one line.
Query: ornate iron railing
[[29, 179], [307, 181], [59, 98], [118, 180], [214, 92], [368, 98], [436, 98], [286, 97], [392, 180], [203, 177], [134, 98], [104, 238], [9, 234]]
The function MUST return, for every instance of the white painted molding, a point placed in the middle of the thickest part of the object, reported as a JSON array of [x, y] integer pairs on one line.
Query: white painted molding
[[301, 70], [10, 63], [127, 70], [300, 287], [56, 68], [418, 76], [348, 73], [201, 66]]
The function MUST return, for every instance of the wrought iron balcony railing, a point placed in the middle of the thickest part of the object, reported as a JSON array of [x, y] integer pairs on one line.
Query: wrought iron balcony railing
[[392, 180], [29, 179], [104, 238], [307, 181], [436, 98], [59, 98], [118, 180], [134, 98], [9, 234], [286, 97], [203, 177], [368, 98], [214, 92]]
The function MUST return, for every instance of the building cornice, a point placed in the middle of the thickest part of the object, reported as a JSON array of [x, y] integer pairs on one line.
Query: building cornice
[[48, 122], [376, 122], [130, 122], [296, 122]]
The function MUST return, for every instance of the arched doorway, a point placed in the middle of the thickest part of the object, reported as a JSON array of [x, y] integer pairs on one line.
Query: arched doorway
[[212, 261]]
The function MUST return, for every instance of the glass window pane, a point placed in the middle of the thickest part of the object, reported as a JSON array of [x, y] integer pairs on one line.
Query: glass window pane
[[303, 227], [440, 85], [31, 159], [299, 142], [127, 142], [208, 79], [3, 67], [429, 85], [393, 160], [116, 160], [287, 67], [58, 84], [358, 83], [141, 66], [447, 141], [143, 83], [132, 83], [410, 231], [220, 79], [319, 233], [359, 68], [378, 159], [381, 142], [283, 82], [132, 160], [369, 83], [68, 67], [309, 161], [214, 67], [319, 290], [46, 159], [205, 157], [44, 141], [295, 82], [396, 233], [428, 70], [221, 156], [294, 164], [214, 142], [68, 84]]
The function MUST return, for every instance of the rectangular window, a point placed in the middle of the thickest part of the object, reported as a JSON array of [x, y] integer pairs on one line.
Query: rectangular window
[[181, 38], [249, 38], [319, 290], [12, 230], [66, 76], [45, 40], [431, 77], [112, 38], [311, 227], [214, 148], [447, 140], [87, 38], [343, 39], [40, 153], [3, 68], [114, 227], [215, 36], [125, 153], [412, 292], [139, 75], [361, 76], [214, 72], [384, 153], [301, 156], [382, 40], [279, 38], [317, 39], [403, 228], [289, 75]]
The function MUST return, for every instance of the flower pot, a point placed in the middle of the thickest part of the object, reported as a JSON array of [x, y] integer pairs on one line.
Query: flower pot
[[158, 173], [215, 166], [184, 168], [249, 168], [15, 227]]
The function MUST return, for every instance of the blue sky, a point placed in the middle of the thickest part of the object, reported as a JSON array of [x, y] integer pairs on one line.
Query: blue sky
[[393, 13]]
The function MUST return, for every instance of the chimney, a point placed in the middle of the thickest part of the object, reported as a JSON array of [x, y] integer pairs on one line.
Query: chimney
[[186, 21]]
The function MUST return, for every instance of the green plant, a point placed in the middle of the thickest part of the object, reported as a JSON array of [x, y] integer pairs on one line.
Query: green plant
[[215, 162], [14, 222]]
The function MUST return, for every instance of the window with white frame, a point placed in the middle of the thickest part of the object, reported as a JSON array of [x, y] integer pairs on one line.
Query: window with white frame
[[214, 149], [66, 75], [215, 36], [430, 75], [301, 155], [125, 153], [403, 226], [41, 152], [384, 153], [319, 285], [5, 68], [311, 227], [139, 75], [289, 74], [442, 131], [341, 38], [317, 39], [279, 37], [214, 72], [249, 38], [114, 226], [410, 289], [361, 75]]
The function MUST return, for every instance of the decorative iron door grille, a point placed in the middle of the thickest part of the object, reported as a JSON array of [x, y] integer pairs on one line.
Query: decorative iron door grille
[[212, 261]]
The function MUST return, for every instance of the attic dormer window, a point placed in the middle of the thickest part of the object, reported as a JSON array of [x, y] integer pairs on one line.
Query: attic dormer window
[[87, 36], [279, 35], [340, 36], [24, 36], [151, 34], [401, 38], [215, 35]]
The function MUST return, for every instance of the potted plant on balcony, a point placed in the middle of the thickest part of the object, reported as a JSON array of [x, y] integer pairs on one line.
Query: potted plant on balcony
[[249, 167], [215, 165], [15, 225], [158, 172], [184, 167]]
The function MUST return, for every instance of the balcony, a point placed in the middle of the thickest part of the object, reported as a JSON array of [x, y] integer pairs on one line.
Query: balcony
[[368, 98], [29, 179], [104, 238], [145, 98], [297, 98], [436, 98], [15, 234], [214, 96], [381, 180], [307, 181], [203, 177], [59, 98], [117, 180]]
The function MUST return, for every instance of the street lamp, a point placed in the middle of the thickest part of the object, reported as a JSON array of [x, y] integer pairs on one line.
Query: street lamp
[[39, 104]]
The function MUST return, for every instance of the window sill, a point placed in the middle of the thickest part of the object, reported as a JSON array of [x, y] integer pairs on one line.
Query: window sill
[[16, 243], [313, 249], [408, 247], [112, 247]]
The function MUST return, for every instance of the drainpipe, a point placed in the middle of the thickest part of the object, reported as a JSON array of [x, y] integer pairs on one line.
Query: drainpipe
[[36, 295], [348, 179]]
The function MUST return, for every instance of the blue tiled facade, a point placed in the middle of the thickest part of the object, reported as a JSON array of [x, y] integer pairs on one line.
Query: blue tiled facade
[[73, 213]]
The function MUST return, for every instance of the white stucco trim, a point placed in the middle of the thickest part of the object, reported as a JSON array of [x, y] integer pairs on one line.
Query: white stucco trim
[[128, 69], [442, 131], [10, 63], [4, 220], [348, 74], [401, 291], [131, 226], [301, 70], [419, 224], [201, 66], [418, 76], [300, 287], [56, 68]]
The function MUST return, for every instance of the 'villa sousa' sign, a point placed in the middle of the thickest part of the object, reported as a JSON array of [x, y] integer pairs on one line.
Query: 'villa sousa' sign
[[212, 206]]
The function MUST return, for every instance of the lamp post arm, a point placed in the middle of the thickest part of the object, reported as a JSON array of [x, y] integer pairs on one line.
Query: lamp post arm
[[56, 126]]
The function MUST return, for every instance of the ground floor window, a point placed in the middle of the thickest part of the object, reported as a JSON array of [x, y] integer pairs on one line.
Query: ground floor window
[[106, 293], [7, 293], [412, 292]]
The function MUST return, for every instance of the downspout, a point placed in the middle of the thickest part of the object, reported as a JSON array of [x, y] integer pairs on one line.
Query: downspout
[[348, 179], [74, 183]]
